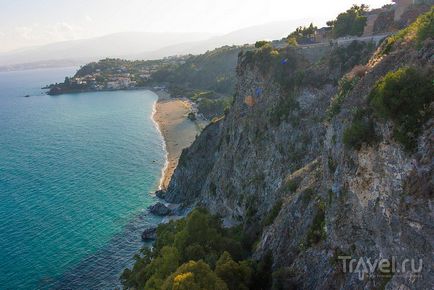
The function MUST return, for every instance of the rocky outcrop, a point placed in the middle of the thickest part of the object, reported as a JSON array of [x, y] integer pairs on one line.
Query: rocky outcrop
[[377, 201], [160, 209], [237, 163], [149, 234], [279, 144], [160, 193]]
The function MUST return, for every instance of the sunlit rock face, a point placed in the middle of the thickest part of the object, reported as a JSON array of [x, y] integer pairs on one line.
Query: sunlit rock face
[[371, 202]]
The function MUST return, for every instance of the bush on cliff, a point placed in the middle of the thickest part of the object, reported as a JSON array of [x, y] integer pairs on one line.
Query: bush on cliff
[[361, 131], [404, 96], [346, 84]]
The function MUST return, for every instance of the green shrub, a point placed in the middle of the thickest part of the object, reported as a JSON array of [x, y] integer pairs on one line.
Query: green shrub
[[290, 186], [193, 275], [307, 195], [283, 109], [317, 231], [235, 275], [262, 276], [424, 26], [360, 131], [345, 58], [283, 279], [331, 164], [404, 96], [261, 43], [269, 219], [346, 84]]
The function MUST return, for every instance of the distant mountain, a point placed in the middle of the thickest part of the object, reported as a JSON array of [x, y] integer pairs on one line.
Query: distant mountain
[[268, 31], [138, 45], [85, 50]]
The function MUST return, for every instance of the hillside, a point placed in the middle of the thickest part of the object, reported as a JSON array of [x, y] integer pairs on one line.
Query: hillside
[[85, 50], [137, 45], [208, 79], [316, 163]]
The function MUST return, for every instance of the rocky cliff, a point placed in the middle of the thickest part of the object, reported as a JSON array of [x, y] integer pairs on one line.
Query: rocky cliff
[[280, 164]]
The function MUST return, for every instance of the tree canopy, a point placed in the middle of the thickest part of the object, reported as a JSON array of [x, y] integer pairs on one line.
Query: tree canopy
[[196, 252], [352, 22]]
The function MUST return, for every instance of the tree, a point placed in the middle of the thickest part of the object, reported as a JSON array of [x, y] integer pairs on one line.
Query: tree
[[161, 267], [262, 276], [201, 231], [194, 276], [351, 22], [303, 34], [236, 275], [261, 43]]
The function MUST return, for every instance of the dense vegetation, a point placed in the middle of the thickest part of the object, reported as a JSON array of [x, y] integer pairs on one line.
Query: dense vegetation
[[404, 96], [212, 71], [303, 35], [352, 22], [208, 79], [198, 253]]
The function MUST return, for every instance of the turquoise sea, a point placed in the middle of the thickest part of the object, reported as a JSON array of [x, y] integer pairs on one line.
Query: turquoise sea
[[76, 171]]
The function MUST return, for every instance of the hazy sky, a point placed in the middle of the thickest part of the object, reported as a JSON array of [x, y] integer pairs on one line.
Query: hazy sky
[[34, 22]]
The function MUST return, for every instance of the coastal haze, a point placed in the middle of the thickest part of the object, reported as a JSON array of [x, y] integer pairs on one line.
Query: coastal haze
[[138, 45], [55, 36]]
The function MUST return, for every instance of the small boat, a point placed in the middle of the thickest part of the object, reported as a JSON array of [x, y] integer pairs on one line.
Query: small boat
[[26, 96]]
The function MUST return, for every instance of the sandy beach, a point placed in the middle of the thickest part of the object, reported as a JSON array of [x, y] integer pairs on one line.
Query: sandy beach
[[178, 131]]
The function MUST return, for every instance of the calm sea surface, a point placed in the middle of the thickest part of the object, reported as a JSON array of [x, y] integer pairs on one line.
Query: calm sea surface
[[76, 171]]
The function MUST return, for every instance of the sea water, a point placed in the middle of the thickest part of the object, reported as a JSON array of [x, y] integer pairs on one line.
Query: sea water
[[76, 171]]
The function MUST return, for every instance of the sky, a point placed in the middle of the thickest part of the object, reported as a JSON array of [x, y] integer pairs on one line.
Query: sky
[[25, 23]]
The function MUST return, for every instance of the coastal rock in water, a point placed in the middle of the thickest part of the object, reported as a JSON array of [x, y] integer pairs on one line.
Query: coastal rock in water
[[149, 234], [160, 193], [160, 209]]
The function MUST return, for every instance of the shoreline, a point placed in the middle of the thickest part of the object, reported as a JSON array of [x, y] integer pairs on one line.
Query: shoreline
[[170, 118], [178, 132]]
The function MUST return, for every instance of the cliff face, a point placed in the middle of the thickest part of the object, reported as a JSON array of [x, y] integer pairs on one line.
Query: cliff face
[[279, 144], [236, 166], [377, 200]]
